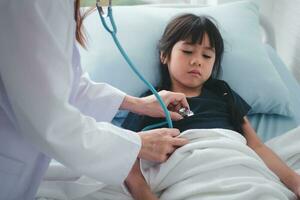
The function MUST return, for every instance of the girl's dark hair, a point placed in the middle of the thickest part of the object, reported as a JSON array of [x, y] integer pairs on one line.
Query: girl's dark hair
[[222, 89], [193, 28]]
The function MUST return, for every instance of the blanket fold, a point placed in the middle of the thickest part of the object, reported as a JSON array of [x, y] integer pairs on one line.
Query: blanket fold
[[215, 164]]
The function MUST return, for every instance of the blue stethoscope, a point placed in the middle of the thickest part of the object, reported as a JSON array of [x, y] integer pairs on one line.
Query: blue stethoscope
[[113, 32]]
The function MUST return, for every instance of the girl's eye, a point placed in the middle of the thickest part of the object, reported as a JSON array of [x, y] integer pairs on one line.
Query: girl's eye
[[187, 52], [206, 56]]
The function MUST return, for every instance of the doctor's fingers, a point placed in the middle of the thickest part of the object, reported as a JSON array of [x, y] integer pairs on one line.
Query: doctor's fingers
[[164, 152], [178, 142], [171, 148], [174, 113], [172, 139], [175, 116], [174, 98], [173, 132]]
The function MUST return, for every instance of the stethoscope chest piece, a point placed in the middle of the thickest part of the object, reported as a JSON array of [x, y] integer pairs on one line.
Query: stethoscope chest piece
[[185, 112]]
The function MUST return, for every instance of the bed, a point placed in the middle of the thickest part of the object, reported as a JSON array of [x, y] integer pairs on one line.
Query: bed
[[267, 84], [269, 126]]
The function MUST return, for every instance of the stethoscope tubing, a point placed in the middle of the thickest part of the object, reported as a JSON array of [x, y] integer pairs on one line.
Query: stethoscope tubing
[[113, 32]]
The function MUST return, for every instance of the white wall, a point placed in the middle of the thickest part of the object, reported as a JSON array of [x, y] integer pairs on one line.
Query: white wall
[[285, 18]]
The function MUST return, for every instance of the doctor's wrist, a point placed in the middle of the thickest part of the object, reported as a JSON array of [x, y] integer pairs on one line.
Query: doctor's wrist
[[132, 104]]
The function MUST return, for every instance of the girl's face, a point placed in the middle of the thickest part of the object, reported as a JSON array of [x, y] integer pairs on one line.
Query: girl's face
[[190, 65]]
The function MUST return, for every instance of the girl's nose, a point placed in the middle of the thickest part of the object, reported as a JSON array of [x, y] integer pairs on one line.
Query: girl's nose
[[196, 62]]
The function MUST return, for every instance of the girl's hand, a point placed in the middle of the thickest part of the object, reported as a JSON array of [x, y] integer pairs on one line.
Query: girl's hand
[[297, 188], [297, 193]]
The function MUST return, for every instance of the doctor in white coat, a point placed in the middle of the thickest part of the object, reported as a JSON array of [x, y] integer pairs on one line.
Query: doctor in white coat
[[49, 109]]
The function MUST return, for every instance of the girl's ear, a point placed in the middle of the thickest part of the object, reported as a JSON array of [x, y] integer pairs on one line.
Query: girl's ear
[[163, 58]]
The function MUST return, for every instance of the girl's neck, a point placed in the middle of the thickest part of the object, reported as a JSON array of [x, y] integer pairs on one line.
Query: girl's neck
[[189, 92]]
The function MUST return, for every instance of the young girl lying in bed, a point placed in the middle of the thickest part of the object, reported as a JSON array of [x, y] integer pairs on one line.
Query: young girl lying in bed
[[191, 50]]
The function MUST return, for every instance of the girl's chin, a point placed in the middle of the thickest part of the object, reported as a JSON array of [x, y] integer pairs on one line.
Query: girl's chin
[[195, 86]]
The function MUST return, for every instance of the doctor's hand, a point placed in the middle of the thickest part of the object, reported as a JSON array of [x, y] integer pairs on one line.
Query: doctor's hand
[[150, 106], [159, 144], [173, 101]]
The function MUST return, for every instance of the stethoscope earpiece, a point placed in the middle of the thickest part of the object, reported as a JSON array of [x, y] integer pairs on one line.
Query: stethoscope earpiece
[[113, 29]]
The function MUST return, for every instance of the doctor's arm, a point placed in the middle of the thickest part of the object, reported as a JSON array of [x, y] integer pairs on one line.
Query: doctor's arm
[[98, 100], [88, 96], [288, 176], [36, 52]]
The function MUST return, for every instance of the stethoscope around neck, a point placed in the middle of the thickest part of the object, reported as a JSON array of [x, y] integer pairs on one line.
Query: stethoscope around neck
[[112, 29]]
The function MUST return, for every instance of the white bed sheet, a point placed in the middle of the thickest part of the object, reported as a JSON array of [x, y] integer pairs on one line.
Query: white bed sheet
[[229, 170]]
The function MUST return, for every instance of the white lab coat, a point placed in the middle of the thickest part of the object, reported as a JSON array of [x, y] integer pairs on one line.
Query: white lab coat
[[36, 81]]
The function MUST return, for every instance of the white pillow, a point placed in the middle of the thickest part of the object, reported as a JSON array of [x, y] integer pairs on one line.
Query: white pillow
[[246, 66]]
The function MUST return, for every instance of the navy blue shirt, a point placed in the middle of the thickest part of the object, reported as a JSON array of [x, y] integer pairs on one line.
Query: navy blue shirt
[[210, 111]]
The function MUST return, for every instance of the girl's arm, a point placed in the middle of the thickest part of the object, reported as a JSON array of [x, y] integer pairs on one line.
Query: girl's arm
[[137, 185], [289, 177]]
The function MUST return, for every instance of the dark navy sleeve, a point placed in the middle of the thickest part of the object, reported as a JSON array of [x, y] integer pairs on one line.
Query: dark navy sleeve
[[134, 121], [240, 103]]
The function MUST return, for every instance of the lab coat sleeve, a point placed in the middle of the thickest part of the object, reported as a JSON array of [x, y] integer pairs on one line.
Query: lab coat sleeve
[[89, 96], [36, 40]]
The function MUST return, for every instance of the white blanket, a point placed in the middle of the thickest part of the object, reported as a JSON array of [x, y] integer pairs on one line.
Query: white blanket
[[216, 164]]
